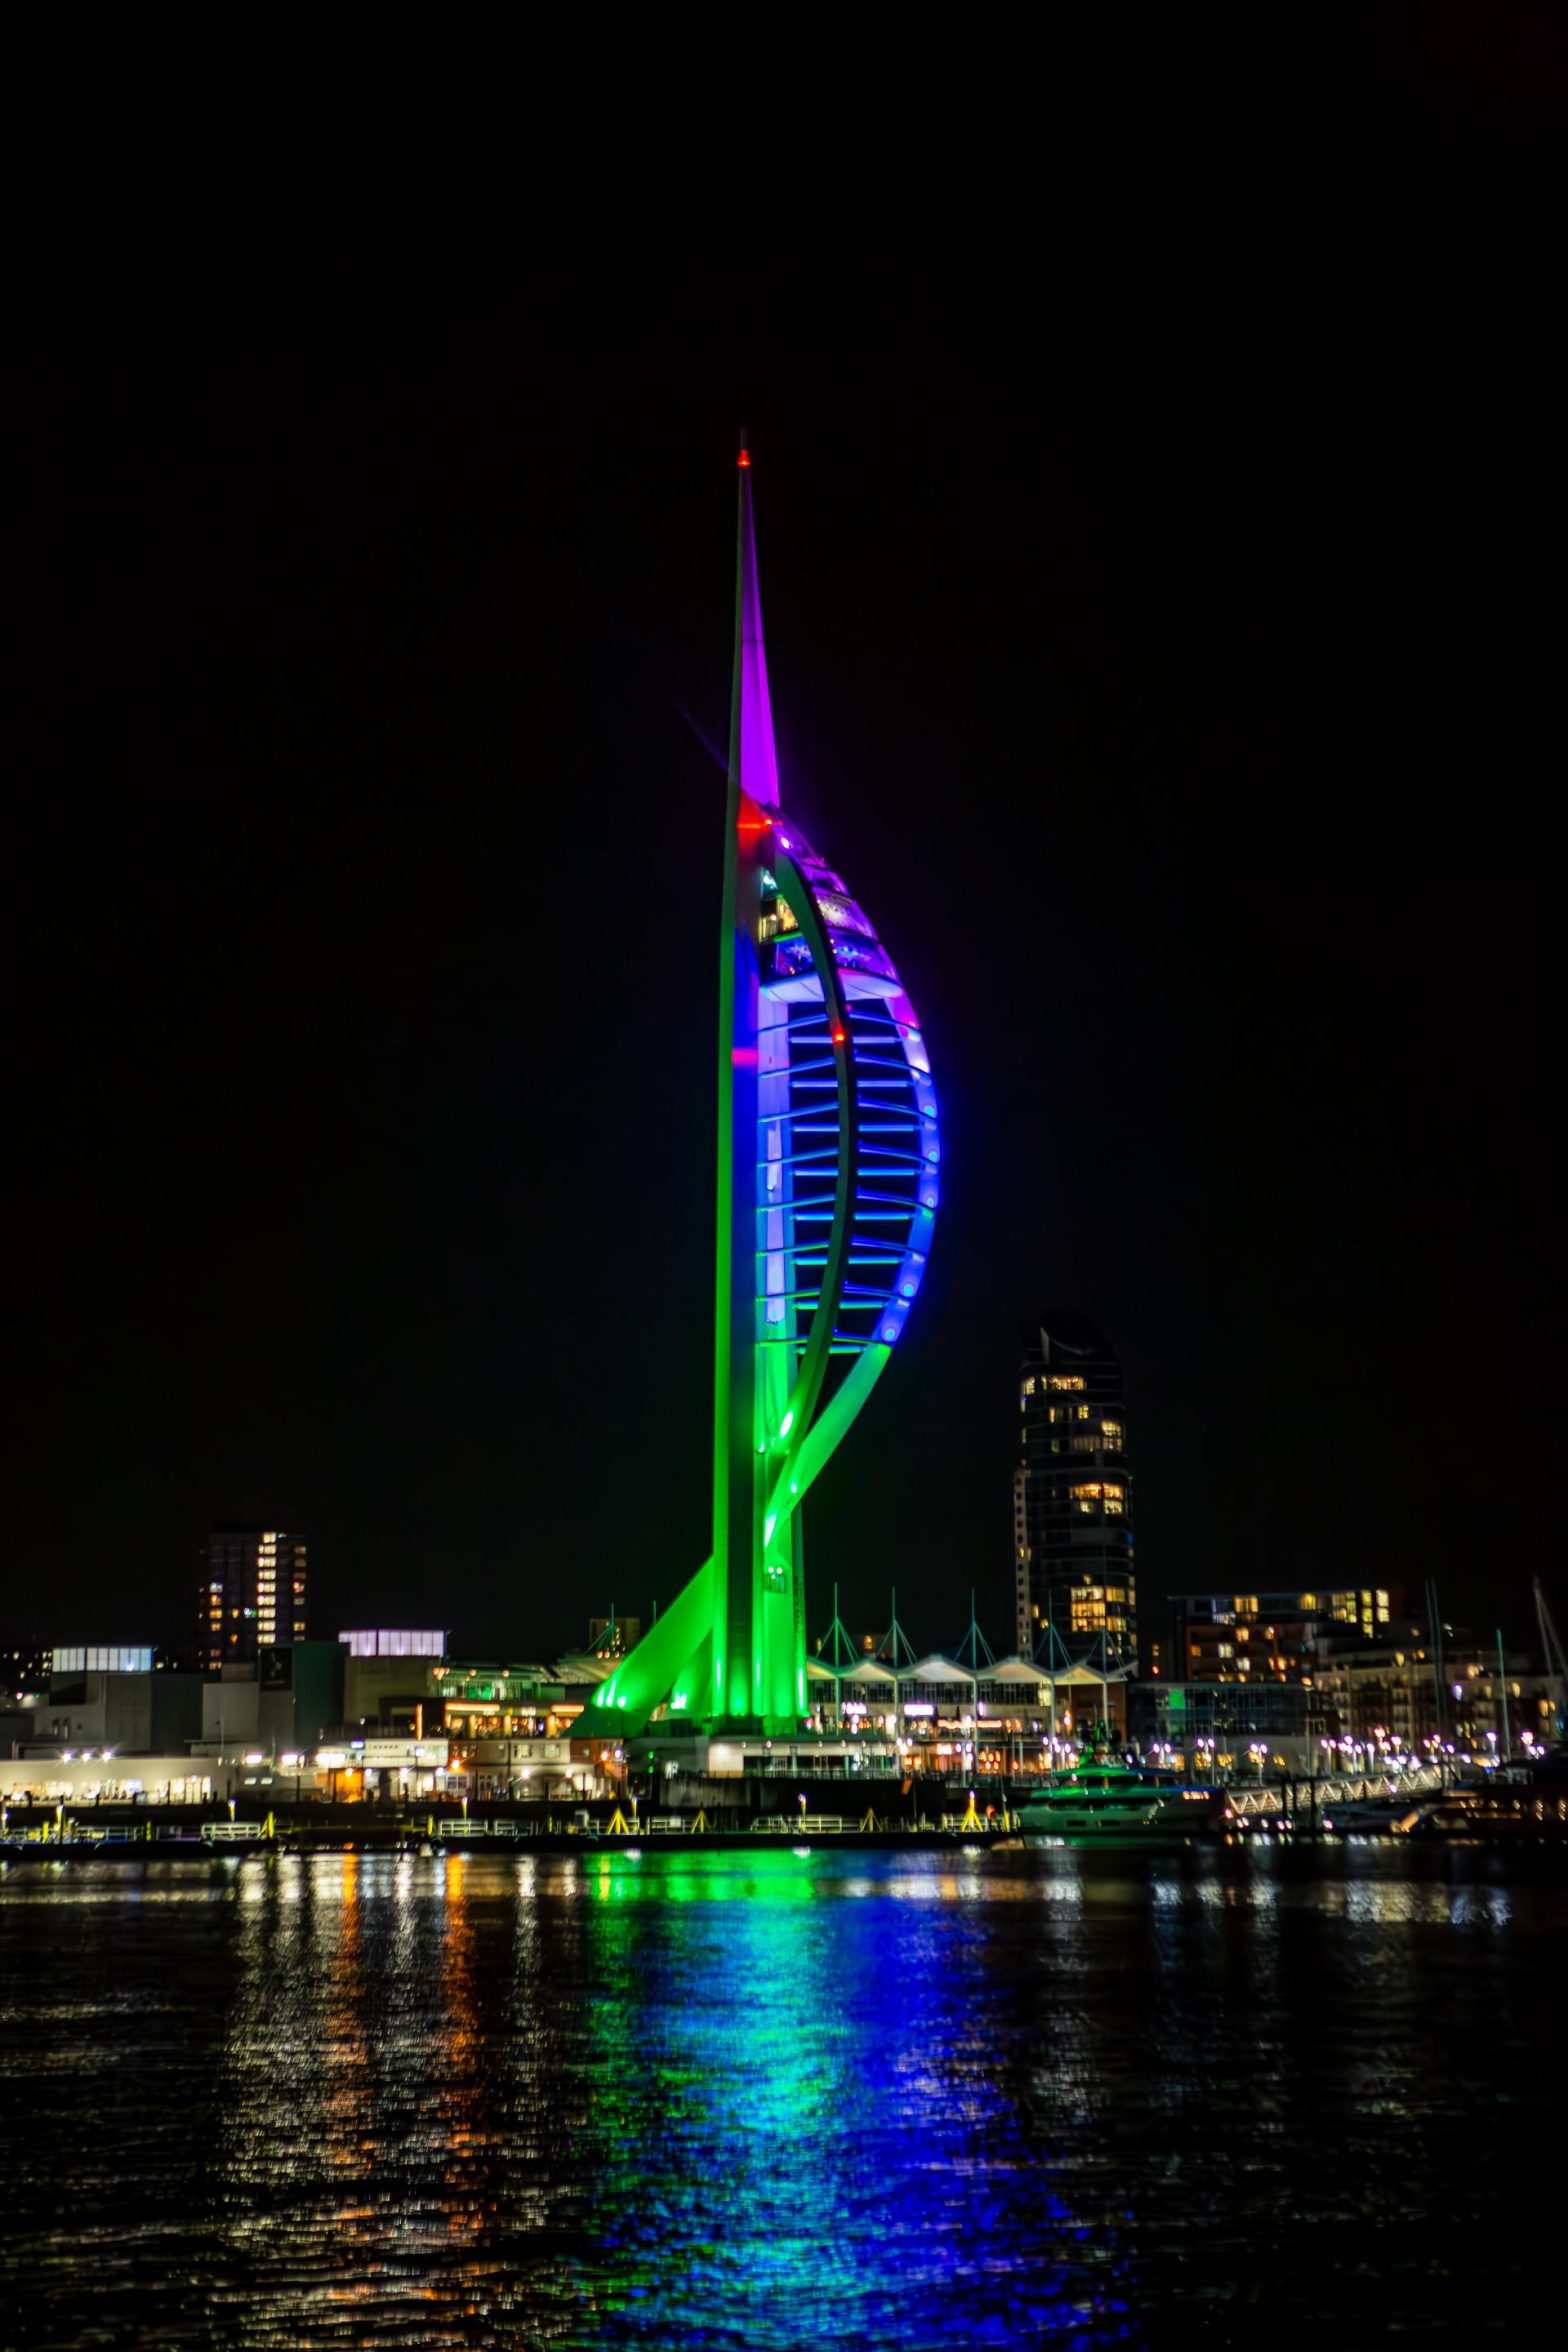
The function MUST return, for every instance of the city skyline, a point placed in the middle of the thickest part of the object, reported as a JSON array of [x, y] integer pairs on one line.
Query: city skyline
[[1170, 708], [853, 1643]]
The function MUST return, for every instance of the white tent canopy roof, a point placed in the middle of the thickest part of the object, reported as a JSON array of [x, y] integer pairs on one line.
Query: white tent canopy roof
[[1021, 1673], [865, 1670], [936, 1668]]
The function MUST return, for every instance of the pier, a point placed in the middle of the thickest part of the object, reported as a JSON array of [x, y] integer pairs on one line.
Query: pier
[[1421, 1802]]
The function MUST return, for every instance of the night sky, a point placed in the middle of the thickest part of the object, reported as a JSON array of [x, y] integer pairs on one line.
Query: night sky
[[1161, 560]]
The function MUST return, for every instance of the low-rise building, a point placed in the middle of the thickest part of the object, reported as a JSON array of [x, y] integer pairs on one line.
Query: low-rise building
[[112, 1696], [1228, 1730], [1403, 1694], [285, 1702]]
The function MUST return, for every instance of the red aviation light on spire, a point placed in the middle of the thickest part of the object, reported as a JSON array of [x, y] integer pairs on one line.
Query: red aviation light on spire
[[744, 459]]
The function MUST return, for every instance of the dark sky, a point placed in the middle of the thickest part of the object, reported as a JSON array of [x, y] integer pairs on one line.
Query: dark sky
[[1161, 555]]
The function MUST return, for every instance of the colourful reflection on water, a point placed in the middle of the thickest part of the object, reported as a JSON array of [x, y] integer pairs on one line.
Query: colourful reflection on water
[[757, 2100], [823, 2130]]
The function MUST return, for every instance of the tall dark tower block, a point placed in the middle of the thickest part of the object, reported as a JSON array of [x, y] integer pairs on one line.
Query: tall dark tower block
[[252, 1594], [1072, 1497]]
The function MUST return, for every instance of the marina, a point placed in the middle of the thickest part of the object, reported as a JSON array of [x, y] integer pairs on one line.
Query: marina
[[1095, 1803]]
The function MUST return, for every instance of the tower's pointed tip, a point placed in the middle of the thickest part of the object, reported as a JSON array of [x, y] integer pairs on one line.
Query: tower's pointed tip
[[753, 731]]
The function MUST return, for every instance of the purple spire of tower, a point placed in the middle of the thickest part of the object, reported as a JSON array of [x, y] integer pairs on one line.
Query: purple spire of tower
[[759, 768]]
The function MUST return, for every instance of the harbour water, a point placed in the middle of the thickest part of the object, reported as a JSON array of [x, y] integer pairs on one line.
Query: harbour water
[[761, 2103]]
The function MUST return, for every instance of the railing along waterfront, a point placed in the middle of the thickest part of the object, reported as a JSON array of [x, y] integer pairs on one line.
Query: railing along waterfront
[[1298, 1793]]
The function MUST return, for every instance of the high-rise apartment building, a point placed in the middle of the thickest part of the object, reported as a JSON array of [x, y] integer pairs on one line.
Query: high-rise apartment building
[[253, 1594], [1072, 1496]]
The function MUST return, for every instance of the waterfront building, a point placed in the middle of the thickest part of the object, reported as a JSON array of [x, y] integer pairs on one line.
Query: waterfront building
[[475, 1699], [253, 1594], [524, 1769], [286, 1699], [1228, 1730], [389, 1677], [1075, 1589], [111, 1696], [944, 1715], [1274, 1636], [827, 1188], [51, 1775], [390, 1689], [1403, 1695]]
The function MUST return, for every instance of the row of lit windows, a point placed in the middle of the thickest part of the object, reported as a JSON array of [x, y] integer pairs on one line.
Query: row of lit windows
[[1095, 1491], [1097, 1617], [1110, 1433], [1346, 1606]]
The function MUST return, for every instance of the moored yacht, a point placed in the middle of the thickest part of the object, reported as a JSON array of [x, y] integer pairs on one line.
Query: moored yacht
[[1111, 1801]]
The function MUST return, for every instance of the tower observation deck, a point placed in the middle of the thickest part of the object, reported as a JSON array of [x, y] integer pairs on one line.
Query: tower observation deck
[[827, 1188]]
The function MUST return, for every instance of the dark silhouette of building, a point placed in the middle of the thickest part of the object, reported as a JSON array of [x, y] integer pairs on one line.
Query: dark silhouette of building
[[1072, 1497], [253, 1595]]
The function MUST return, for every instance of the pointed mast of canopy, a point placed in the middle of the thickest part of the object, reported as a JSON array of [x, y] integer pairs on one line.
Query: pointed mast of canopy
[[753, 733]]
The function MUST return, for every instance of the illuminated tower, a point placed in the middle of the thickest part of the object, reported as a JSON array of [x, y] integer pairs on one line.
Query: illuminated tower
[[826, 1198]]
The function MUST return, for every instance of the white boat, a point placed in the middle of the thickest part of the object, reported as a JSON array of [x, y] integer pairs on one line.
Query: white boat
[[1111, 1801]]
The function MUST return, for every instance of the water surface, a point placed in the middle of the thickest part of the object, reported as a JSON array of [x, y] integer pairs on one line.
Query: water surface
[[773, 2101]]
